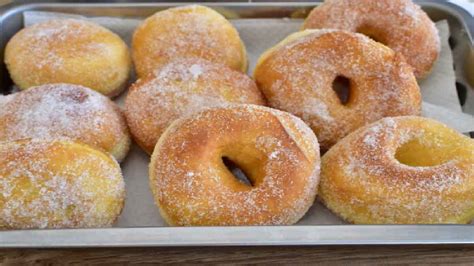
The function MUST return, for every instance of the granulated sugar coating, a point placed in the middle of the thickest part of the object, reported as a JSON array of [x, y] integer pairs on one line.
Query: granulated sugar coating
[[399, 24], [277, 151], [297, 76], [402, 170], [58, 184], [68, 51], [180, 88], [188, 31], [57, 111]]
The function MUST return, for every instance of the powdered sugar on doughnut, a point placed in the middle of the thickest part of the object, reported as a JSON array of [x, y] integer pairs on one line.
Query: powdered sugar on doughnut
[[188, 31], [37, 194], [42, 39], [400, 24], [289, 163], [57, 111], [364, 165], [180, 88], [298, 74]]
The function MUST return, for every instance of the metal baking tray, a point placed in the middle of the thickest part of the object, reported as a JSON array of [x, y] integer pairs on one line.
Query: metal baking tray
[[461, 24]]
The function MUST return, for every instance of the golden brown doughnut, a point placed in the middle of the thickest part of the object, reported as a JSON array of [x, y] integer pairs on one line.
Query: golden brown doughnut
[[187, 31], [68, 51], [179, 88], [297, 76], [277, 151], [402, 170], [56, 111], [58, 184], [399, 24]]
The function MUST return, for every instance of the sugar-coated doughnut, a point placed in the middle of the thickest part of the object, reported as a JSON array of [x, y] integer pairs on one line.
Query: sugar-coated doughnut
[[68, 51], [187, 31], [179, 88], [277, 151], [399, 24], [403, 170], [297, 76], [57, 111], [58, 184]]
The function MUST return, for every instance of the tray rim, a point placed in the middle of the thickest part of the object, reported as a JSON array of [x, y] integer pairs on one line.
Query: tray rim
[[244, 235], [241, 236], [461, 12]]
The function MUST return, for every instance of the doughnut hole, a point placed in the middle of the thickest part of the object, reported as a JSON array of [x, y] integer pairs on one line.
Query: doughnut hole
[[244, 165], [427, 151], [342, 87], [238, 173], [375, 34]]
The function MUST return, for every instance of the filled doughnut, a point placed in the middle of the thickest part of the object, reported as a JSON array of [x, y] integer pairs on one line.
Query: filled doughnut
[[68, 51], [301, 75], [402, 170], [187, 31], [399, 24], [190, 169], [181, 87], [57, 111], [58, 184]]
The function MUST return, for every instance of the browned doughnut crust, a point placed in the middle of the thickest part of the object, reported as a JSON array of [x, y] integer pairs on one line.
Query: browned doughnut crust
[[278, 152], [181, 87], [69, 51], [399, 24], [57, 111], [187, 31], [402, 170], [58, 184], [297, 76]]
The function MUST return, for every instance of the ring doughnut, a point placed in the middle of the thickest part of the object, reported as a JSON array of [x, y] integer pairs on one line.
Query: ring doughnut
[[181, 87], [403, 170], [57, 111], [69, 51], [188, 31], [399, 24], [298, 76], [58, 184], [279, 154]]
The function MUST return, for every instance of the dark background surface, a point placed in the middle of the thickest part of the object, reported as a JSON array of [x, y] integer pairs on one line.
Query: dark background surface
[[348, 255]]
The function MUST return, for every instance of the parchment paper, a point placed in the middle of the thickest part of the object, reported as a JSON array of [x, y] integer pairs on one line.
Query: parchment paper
[[438, 90]]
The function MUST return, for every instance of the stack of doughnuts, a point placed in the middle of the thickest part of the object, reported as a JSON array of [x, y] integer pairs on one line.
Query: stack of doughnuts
[[227, 149], [61, 137]]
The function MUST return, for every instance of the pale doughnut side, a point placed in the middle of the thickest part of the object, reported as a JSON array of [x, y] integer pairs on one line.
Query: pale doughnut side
[[277, 152], [401, 170], [58, 184]]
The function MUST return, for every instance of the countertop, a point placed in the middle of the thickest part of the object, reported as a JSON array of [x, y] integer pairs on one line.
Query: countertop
[[245, 255]]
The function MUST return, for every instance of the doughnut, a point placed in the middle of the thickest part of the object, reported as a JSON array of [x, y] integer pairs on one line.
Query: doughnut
[[57, 111], [193, 185], [58, 184], [300, 76], [399, 24], [181, 87], [187, 31], [68, 51], [401, 170]]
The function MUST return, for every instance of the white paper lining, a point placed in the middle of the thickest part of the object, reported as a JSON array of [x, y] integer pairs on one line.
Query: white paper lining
[[438, 90]]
